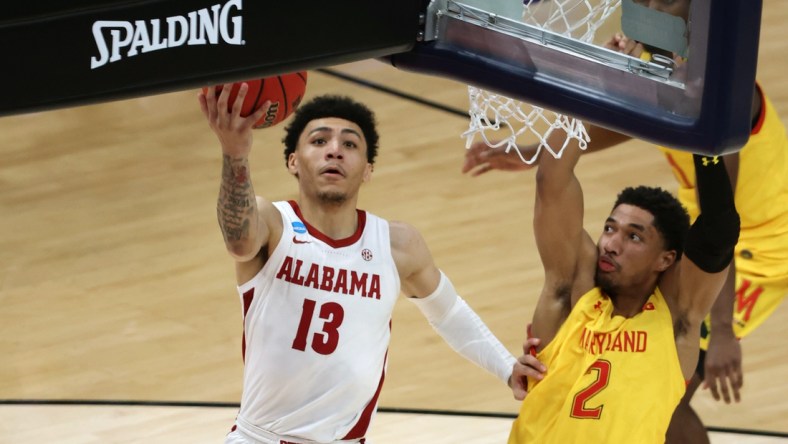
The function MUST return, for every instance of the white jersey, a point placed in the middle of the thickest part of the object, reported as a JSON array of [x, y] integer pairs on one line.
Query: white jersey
[[317, 323]]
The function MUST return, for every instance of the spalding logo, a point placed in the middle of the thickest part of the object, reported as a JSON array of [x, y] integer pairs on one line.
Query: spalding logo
[[207, 26], [270, 115]]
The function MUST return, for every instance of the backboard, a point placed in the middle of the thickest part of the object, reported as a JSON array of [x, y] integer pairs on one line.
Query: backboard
[[690, 89], [694, 93]]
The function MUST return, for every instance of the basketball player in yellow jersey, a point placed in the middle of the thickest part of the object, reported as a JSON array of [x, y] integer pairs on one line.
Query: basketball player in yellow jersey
[[620, 320], [758, 277], [758, 280]]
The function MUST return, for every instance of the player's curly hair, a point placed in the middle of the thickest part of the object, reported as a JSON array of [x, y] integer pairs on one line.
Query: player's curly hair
[[332, 106], [670, 217]]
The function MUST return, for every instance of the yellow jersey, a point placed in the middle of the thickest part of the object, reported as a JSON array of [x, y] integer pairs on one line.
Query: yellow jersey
[[609, 378], [761, 195]]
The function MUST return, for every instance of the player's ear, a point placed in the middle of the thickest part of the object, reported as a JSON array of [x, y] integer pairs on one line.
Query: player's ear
[[368, 172], [665, 260], [292, 164]]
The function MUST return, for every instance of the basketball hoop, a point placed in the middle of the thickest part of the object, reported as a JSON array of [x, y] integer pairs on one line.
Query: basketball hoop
[[502, 121]]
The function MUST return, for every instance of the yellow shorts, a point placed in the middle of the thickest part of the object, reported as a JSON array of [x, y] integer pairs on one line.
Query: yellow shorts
[[756, 299]]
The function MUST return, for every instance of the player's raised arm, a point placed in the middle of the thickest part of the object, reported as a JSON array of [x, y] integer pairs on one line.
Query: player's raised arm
[[563, 244], [723, 363], [244, 230], [711, 239], [708, 250]]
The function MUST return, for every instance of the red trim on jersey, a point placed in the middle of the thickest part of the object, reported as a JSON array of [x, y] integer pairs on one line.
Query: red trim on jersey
[[338, 243], [360, 429], [531, 349], [247, 297], [762, 116], [684, 182]]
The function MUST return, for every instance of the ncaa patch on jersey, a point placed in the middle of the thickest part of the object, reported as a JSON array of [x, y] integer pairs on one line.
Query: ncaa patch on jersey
[[299, 227]]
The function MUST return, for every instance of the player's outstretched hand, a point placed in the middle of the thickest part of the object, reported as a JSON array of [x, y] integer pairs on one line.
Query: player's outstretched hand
[[723, 372], [233, 130], [623, 44], [527, 366], [481, 158]]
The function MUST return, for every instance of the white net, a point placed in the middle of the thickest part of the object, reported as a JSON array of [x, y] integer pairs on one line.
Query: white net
[[503, 122], [579, 19]]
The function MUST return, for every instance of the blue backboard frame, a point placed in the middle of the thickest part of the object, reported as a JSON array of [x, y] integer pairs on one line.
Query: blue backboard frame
[[721, 124]]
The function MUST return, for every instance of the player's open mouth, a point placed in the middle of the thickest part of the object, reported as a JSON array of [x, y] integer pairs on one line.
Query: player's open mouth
[[606, 264], [332, 171]]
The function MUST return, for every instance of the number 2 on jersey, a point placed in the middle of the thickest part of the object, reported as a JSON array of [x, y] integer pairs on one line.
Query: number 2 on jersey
[[324, 342], [579, 409]]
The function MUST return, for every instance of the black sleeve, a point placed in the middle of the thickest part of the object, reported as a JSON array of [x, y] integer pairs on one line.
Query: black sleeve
[[713, 236]]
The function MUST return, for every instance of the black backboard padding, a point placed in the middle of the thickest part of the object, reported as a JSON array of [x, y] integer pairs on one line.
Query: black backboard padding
[[47, 57]]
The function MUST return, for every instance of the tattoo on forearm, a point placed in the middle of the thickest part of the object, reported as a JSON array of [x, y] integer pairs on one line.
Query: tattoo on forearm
[[236, 205]]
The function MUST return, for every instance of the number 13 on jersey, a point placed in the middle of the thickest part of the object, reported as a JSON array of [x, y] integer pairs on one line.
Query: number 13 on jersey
[[326, 340]]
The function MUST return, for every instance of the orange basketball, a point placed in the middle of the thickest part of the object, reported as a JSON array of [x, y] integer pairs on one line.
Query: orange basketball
[[284, 91]]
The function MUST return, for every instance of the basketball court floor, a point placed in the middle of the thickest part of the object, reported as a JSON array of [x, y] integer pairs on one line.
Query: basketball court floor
[[120, 322]]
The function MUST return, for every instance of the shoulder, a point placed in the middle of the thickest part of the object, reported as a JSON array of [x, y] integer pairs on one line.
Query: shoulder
[[404, 237], [417, 270], [269, 212], [407, 245], [270, 228]]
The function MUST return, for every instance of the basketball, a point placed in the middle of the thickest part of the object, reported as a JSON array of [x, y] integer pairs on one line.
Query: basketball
[[284, 91]]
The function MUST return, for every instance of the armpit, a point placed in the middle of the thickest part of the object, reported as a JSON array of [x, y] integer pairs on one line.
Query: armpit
[[680, 326], [563, 296]]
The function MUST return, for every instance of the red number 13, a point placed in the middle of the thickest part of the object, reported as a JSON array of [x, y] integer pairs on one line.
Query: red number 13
[[324, 342]]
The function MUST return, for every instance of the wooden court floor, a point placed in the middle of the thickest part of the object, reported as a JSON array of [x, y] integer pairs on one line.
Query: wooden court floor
[[115, 286]]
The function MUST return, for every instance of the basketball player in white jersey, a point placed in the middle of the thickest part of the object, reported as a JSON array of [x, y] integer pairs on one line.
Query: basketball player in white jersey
[[318, 280]]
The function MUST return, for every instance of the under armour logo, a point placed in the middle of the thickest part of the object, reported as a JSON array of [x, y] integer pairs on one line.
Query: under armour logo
[[706, 161], [598, 305]]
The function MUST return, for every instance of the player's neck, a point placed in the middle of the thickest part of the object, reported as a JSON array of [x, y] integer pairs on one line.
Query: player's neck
[[335, 220], [630, 303]]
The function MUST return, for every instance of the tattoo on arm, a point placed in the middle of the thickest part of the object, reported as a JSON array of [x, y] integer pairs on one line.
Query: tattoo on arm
[[236, 206]]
